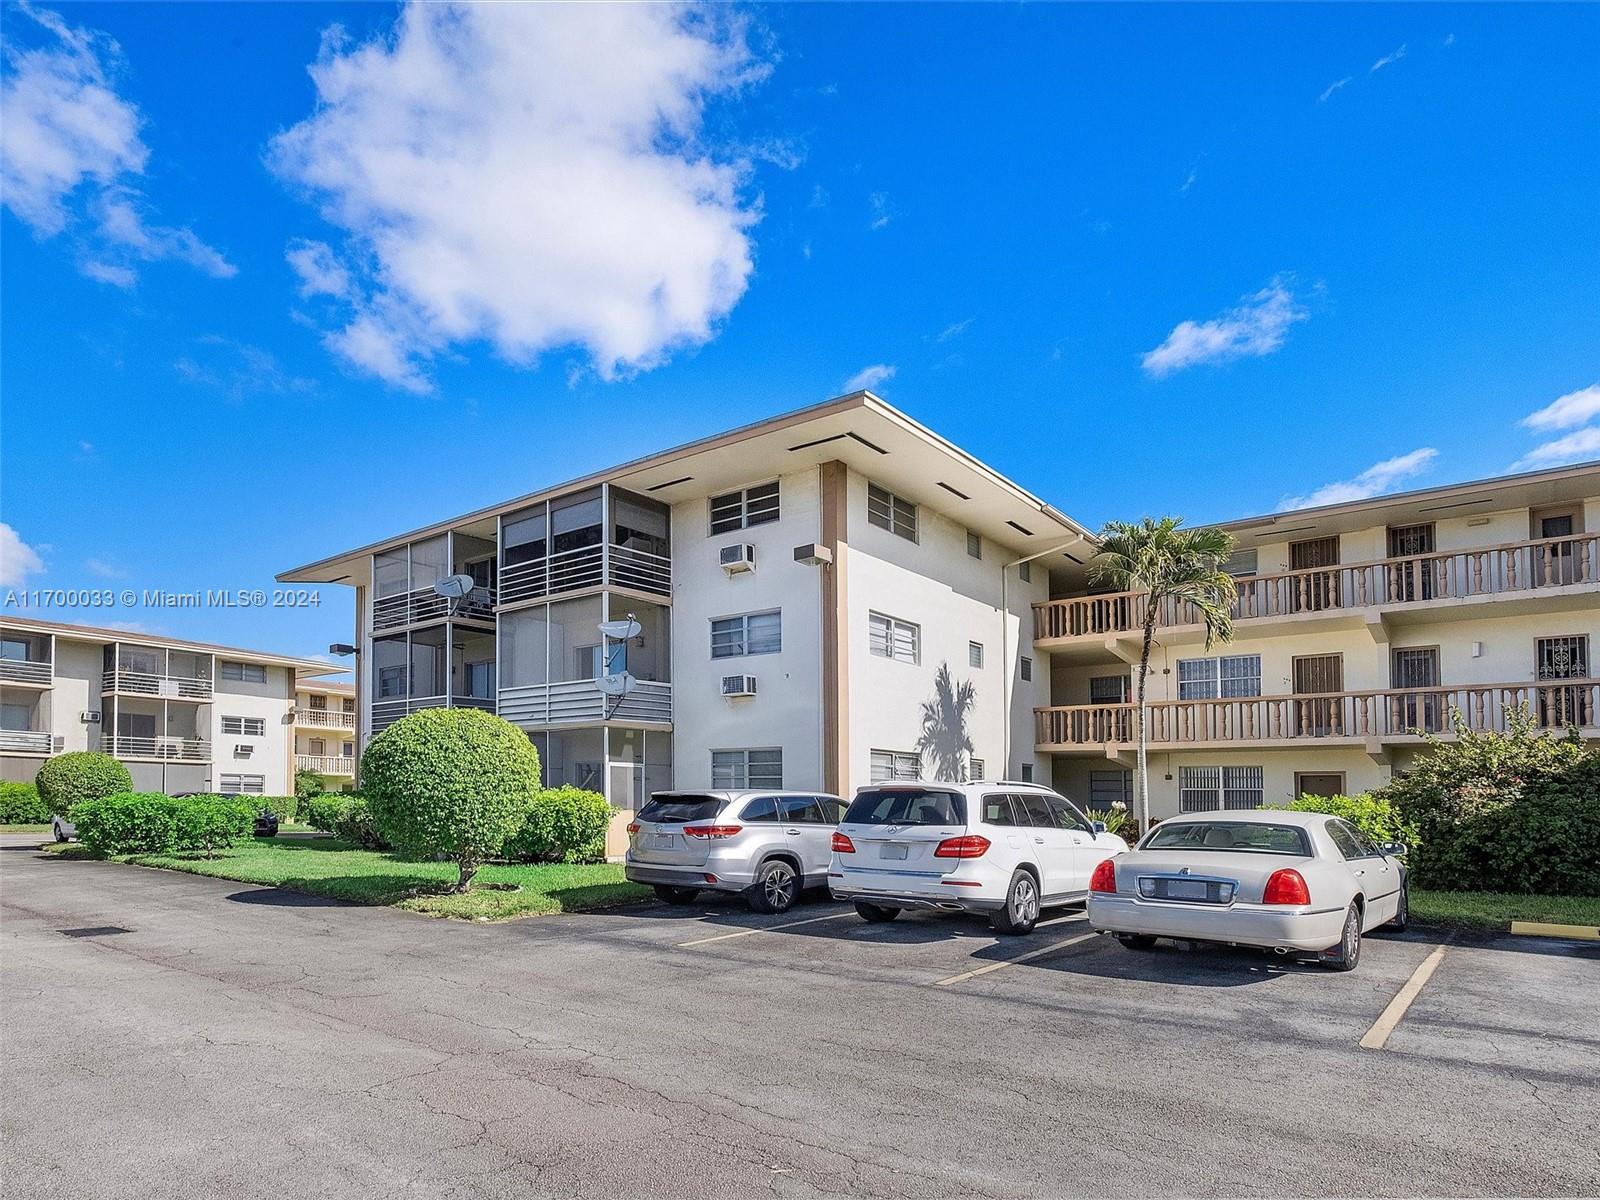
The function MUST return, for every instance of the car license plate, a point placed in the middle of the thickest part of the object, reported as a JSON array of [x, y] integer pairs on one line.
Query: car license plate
[[662, 841], [895, 850], [1186, 889]]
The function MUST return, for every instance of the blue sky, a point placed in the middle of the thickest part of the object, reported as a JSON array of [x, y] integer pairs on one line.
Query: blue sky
[[1193, 259]]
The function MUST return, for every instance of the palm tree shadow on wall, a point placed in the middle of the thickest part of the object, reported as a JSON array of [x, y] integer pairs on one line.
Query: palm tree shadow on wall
[[944, 741]]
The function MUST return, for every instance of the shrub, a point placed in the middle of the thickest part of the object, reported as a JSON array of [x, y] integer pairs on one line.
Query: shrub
[[452, 782], [308, 784], [322, 810], [283, 807], [1375, 816], [67, 779], [20, 804], [567, 824], [354, 822], [1114, 819], [211, 823], [126, 823]]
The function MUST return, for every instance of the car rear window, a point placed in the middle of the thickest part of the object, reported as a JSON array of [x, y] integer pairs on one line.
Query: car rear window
[[1249, 837], [906, 806], [678, 810]]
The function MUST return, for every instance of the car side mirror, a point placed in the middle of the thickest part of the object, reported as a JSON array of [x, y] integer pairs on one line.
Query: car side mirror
[[1098, 826], [1394, 849]]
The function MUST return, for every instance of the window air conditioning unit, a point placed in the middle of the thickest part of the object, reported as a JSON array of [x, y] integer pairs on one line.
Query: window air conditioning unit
[[734, 686], [243, 750], [737, 559]]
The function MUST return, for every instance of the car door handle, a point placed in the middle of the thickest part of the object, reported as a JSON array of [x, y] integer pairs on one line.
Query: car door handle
[[792, 832], [1040, 840]]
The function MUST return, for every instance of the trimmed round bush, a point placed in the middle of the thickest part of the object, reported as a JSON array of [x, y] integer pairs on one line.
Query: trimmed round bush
[[207, 824], [68, 779], [126, 823], [20, 805], [451, 782], [567, 824]]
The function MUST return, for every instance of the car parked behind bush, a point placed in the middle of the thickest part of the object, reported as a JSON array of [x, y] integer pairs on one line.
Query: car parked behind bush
[[155, 823]]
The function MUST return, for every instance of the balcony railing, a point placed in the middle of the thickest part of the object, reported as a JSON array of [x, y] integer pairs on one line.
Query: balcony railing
[[1387, 714], [180, 749], [326, 764], [325, 718], [1516, 567], [21, 670], [143, 683], [579, 701], [29, 741], [425, 604], [386, 712], [586, 567]]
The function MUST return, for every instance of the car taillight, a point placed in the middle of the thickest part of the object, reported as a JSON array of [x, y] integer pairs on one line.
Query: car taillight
[[711, 832], [842, 844], [1104, 878], [972, 845], [1286, 887], [633, 827]]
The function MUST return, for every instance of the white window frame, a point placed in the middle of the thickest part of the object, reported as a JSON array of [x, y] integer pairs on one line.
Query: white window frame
[[741, 511], [242, 671], [739, 626], [731, 768], [891, 765], [244, 726], [894, 513], [891, 638], [1224, 677], [242, 785], [1220, 789]]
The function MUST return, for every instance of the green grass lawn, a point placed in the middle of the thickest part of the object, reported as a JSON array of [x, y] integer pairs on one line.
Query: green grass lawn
[[326, 866], [1496, 910], [24, 829]]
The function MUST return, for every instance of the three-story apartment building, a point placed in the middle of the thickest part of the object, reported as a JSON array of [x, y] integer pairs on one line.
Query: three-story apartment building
[[183, 716], [325, 731]]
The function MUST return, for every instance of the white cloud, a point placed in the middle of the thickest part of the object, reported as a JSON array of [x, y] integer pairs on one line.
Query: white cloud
[[1566, 412], [531, 176], [1256, 327], [1191, 179], [1374, 481], [869, 377], [1388, 60], [238, 370], [882, 210], [1332, 88], [104, 569], [18, 560], [321, 274], [1579, 446], [955, 330], [72, 151]]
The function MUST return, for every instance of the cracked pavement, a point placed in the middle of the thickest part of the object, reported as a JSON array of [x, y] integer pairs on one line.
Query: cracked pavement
[[246, 1042]]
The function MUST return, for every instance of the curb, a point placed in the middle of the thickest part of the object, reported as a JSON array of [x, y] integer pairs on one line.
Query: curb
[[1581, 933]]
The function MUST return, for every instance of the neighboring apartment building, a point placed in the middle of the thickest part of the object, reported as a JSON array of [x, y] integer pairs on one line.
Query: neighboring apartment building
[[838, 595], [183, 716], [325, 732]]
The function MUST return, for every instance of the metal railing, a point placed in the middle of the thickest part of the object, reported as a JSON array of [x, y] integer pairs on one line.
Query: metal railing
[[579, 701], [386, 712], [326, 764], [29, 741], [586, 567], [1387, 713], [143, 683], [1515, 567], [325, 718], [425, 604], [22, 670], [177, 748]]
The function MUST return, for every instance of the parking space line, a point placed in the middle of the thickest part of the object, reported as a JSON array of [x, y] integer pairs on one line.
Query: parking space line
[[1011, 962], [1389, 1018], [722, 937]]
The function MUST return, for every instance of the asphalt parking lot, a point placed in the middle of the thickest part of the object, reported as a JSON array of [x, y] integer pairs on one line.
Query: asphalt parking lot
[[243, 1041]]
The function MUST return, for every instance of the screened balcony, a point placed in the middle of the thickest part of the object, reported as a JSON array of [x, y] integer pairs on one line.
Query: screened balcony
[[135, 727], [602, 537], [440, 666], [26, 658], [25, 723], [553, 655], [403, 579], [157, 671]]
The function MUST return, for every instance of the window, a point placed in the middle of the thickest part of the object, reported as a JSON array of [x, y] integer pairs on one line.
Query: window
[[1025, 572], [888, 511], [975, 769], [895, 764], [349, 749], [1067, 815], [587, 662], [975, 655], [974, 545], [316, 746], [747, 768], [1032, 809], [889, 637], [1556, 659], [1108, 788], [906, 806], [1108, 689], [762, 810], [244, 672], [1206, 789], [1351, 841], [1027, 669], [1244, 836], [752, 633], [1214, 678], [319, 703], [738, 510], [801, 810], [243, 785], [16, 717], [997, 810], [245, 726], [349, 704], [1240, 562], [1025, 772]]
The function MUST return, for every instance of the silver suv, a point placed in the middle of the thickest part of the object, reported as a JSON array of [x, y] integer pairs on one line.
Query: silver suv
[[768, 845]]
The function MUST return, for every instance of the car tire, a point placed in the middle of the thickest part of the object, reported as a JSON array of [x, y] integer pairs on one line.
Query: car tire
[[1402, 915], [1021, 911], [1136, 941], [875, 914], [60, 834], [677, 896], [776, 888], [1347, 953]]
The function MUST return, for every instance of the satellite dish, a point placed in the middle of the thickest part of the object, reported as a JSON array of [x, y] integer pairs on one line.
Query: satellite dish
[[454, 587], [618, 683], [622, 631]]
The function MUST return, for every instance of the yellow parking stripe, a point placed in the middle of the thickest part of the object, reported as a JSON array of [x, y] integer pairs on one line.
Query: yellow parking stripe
[[1011, 962], [1378, 1035], [722, 937]]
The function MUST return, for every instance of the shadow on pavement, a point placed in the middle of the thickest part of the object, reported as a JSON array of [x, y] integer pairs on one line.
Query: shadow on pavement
[[279, 898], [1167, 963]]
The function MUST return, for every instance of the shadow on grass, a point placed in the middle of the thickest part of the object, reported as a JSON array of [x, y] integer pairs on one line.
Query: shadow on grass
[[590, 896]]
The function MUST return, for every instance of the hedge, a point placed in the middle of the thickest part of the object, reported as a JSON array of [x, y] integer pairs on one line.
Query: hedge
[[567, 824], [68, 779], [284, 807], [1375, 816], [355, 823], [154, 823], [20, 804], [322, 811]]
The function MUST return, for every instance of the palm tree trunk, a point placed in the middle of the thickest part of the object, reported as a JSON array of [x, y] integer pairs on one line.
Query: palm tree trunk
[[1144, 671]]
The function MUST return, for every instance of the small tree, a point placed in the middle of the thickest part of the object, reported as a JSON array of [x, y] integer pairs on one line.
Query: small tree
[[68, 779], [1168, 564], [308, 784], [452, 782]]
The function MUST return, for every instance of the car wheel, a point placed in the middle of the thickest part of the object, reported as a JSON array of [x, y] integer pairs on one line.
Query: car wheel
[[678, 896], [1347, 953], [1402, 916], [1136, 941], [876, 914], [55, 828], [1021, 912], [775, 888]]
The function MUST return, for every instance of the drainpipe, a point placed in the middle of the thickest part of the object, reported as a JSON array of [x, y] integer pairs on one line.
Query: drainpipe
[[1005, 650]]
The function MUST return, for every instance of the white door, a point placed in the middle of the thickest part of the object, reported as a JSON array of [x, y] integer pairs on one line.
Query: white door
[[1052, 845], [1086, 855]]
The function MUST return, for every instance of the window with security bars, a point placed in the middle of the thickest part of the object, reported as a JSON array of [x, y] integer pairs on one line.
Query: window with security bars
[[244, 726], [751, 633], [888, 511], [1107, 788], [1556, 659], [747, 768], [889, 637], [739, 510], [888, 765], [242, 785], [1219, 678], [1207, 789], [1108, 689]]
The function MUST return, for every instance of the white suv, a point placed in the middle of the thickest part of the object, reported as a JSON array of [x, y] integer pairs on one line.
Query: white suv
[[1004, 849]]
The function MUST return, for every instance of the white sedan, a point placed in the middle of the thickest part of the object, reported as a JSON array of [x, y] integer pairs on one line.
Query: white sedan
[[1291, 882]]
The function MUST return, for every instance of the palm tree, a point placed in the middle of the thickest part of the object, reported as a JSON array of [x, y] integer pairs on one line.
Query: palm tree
[[944, 736], [1166, 563]]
